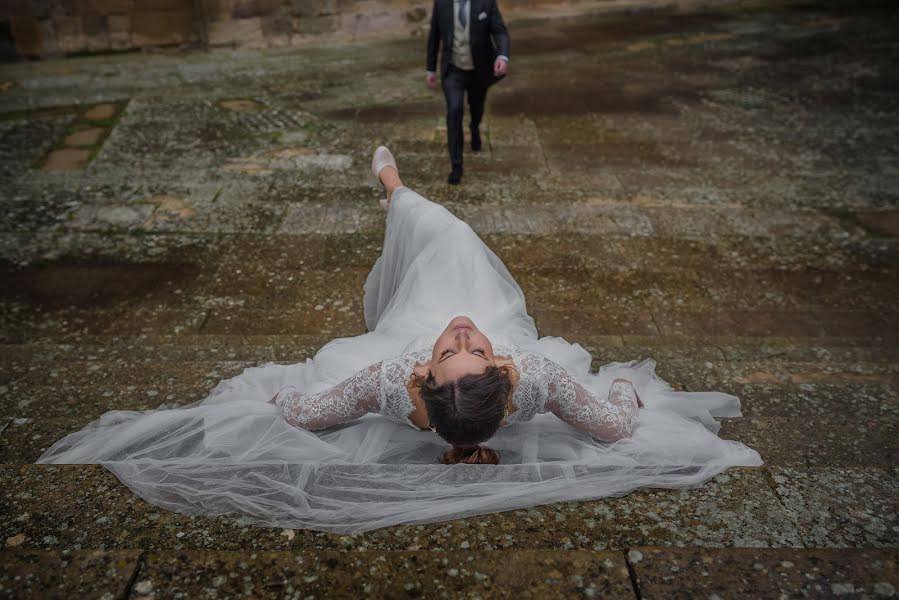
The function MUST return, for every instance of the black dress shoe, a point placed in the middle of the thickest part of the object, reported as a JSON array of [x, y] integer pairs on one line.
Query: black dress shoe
[[455, 176], [475, 140]]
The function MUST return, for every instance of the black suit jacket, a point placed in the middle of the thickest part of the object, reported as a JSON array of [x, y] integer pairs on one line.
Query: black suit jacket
[[488, 37]]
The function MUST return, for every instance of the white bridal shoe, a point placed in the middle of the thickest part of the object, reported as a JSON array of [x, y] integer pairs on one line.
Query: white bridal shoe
[[382, 158]]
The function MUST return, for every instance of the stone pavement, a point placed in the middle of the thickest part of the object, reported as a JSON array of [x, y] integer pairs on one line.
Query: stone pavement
[[715, 190]]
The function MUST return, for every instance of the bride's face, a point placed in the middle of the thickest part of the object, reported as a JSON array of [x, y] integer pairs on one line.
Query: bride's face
[[460, 350]]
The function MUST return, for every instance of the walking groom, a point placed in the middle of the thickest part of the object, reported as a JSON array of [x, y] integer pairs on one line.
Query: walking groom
[[475, 56]]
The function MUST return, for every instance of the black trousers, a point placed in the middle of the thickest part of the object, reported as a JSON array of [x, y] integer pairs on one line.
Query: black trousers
[[456, 83]]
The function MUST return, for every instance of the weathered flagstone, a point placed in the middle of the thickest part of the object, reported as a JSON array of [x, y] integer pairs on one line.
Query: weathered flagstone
[[83, 506], [101, 372], [814, 401], [37, 574], [162, 347], [66, 574], [837, 440], [857, 507], [326, 319], [772, 573], [74, 322], [59, 404]]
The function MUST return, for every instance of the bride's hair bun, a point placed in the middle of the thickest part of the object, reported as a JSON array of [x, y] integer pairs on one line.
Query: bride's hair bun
[[471, 455]]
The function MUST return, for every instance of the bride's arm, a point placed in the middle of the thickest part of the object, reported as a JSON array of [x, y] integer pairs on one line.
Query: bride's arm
[[348, 400], [610, 418]]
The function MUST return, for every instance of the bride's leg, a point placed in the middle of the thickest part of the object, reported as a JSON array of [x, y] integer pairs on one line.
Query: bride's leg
[[390, 179]]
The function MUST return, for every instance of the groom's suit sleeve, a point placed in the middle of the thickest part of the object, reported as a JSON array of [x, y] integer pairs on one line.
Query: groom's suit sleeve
[[433, 39], [499, 32]]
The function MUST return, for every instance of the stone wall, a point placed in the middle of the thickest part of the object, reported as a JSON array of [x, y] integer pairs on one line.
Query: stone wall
[[45, 28]]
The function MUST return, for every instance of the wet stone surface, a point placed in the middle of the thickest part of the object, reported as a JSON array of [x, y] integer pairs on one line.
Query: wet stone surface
[[842, 507], [739, 573], [220, 574], [715, 189], [538, 574], [89, 509], [57, 574], [838, 441]]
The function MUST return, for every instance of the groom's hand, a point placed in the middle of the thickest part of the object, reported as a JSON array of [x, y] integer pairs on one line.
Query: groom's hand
[[500, 66], [431, 79]]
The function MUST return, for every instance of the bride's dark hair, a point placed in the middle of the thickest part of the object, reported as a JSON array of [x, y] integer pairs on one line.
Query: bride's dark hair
[[467, 412]]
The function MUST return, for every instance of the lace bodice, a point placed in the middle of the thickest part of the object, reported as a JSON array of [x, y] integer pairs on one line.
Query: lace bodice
[[543, 386]]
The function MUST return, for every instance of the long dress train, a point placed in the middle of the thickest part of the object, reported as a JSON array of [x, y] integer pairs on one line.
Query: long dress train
[[233, 452]]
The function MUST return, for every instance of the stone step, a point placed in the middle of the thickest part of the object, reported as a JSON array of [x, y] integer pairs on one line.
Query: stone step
[[258, 285], [764, 573], [161, 347], [682, 367], [840, 439], [601, 253], [641, 572], [609, 220], [287, 347], [341, 319], [70, 507], [84, 506]]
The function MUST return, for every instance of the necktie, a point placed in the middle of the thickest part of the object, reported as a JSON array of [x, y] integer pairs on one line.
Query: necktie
[[463, 17]]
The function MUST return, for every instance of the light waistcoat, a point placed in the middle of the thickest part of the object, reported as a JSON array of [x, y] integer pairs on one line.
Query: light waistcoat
[[462, 39]]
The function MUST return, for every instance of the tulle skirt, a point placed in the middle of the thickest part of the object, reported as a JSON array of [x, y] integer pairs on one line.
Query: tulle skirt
[[233, 453]]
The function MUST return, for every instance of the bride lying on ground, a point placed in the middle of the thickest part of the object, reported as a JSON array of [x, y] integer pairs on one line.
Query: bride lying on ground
[[355, 438], [464, 391]]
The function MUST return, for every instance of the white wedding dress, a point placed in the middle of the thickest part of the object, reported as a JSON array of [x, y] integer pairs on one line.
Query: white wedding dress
[[235, 453]]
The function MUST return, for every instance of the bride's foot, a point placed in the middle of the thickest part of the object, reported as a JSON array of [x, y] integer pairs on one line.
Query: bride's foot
[[383, 167], [382, 158]]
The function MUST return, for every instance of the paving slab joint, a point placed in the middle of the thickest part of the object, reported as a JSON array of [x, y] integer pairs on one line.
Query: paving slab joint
[[132, 580], [205, 320], [655, 322], [632, 573], [769, 479]]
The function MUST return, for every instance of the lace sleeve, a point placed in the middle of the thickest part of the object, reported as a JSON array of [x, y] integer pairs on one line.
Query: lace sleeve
[[609, 419], [350, 399]]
